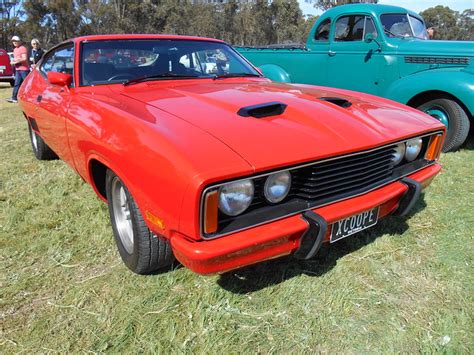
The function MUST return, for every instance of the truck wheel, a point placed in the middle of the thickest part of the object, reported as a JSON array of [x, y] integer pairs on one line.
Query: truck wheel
[[142, 251], [451, 114], [41, 150]]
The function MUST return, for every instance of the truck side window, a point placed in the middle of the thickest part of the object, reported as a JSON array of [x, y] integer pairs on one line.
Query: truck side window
[[370, 27], [322, 32], [349, 28]]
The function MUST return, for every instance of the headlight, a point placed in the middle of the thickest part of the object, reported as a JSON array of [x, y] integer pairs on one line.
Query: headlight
[[413, 148], [399, 153], [277, 186], [235, 197]]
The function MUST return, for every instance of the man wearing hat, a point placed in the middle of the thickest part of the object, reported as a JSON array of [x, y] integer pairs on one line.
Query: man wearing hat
[[22, 67]]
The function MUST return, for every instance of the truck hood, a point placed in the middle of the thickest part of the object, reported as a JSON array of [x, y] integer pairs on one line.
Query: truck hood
[[308, 129], [416, 47]]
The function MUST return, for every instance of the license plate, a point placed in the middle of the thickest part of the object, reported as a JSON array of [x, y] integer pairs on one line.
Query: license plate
[[353, 224], [2, 67]]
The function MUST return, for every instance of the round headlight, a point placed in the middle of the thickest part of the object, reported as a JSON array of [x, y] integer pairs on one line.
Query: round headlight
[[413, 149], [399, 153], [235, 197], [277, 186]]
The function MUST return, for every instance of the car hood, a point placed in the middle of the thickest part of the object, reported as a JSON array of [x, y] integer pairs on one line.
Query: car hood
[[416, 47], [308, 129]]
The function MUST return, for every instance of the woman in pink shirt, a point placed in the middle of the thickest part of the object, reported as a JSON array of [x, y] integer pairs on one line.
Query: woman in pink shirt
[[22, 67]]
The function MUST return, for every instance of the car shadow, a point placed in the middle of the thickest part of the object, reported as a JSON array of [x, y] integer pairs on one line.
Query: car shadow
[[259, 276]]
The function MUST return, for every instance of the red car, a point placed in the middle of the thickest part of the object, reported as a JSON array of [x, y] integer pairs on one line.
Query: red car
[[222, 169], [6, 71]]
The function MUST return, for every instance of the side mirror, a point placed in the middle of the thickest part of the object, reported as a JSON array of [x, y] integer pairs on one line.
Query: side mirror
[[61, 79], [369, 37]]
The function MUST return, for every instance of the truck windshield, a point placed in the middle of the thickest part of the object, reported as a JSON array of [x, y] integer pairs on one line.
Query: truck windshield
[[403, 25], [119, 61]]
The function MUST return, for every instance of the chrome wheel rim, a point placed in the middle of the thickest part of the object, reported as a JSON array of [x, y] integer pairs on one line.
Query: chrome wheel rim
[[439, 114], [34, 140], [122, 215]]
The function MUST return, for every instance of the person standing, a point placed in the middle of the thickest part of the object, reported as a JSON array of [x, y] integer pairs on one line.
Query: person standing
[[36, 52], [20, 61]]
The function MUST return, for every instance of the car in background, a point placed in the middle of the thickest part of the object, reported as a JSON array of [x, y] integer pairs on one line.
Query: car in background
[[7, 73], [222, 170]]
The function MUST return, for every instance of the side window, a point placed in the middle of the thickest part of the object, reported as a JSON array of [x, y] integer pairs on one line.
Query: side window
[[322, 32], [370, 27], [349, 28], [61, 60]]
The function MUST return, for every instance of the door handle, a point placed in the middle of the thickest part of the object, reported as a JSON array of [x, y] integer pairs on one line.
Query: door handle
[[331, 53], [39, 98]]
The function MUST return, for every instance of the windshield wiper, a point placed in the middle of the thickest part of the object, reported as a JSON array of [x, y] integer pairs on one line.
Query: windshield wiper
[[170, 76], [234, 75], [393, 34]]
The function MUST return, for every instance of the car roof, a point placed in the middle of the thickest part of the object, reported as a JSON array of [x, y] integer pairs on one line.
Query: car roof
[[109, 37], [374, 9]]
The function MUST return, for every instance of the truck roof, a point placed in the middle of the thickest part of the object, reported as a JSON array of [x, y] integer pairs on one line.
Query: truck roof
[[374, 9]]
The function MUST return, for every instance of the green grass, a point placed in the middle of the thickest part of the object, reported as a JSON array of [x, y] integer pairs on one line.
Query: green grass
[[405, 285]]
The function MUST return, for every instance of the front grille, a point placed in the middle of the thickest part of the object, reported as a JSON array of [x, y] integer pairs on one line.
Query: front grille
[[320, 183], [346, 175], [437, 60]]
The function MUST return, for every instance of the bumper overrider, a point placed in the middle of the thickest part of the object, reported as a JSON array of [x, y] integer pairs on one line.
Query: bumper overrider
[[303, 233]]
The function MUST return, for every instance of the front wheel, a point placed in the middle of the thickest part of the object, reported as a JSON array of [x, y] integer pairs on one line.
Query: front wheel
[[452, 115], [142, 251]]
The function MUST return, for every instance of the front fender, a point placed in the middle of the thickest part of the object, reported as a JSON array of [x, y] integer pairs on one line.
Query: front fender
[[458, 83], [275, 73]]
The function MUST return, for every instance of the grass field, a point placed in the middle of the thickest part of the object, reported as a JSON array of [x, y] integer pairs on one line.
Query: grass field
[[405, 285]]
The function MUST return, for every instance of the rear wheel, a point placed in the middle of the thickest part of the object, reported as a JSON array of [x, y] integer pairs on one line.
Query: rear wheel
[[40, 149], [141, 250], [452, 115]]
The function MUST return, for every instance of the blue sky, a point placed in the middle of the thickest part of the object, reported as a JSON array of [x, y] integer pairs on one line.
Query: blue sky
[[417, 6]]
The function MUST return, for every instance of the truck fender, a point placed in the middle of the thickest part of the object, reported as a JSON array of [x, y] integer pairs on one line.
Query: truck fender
[[458, 84], [275, 73]]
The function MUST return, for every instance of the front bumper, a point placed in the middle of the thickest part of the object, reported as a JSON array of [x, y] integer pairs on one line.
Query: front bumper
[[283, 237]]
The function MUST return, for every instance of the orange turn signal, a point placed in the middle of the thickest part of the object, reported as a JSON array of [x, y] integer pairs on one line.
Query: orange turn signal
[[210, 212], [434, 147]]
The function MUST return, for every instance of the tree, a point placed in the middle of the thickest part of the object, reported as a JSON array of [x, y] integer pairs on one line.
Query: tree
[[444, 20], [10, 20], [327, 4]]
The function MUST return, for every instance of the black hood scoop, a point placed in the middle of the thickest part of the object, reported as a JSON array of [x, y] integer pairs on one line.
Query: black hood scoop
[[337, 101], [263, 110]]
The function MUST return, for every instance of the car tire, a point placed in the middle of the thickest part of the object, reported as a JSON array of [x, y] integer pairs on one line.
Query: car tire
[[141, 250], [40, 149], [453, 116]]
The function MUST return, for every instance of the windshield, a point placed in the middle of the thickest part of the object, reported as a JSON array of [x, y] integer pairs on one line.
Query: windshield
[[402, 25], [118, 61]]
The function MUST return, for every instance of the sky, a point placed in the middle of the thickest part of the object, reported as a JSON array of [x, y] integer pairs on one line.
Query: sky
[[417, 6]]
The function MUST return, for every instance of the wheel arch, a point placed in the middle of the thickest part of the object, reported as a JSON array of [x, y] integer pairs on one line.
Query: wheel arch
[[428, 95], [97, 173], [275, 73]]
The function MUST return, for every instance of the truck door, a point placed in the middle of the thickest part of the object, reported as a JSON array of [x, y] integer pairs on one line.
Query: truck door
[[352, 62]]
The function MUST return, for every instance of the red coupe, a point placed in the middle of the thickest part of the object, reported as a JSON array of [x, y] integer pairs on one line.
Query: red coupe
[[218, 166]]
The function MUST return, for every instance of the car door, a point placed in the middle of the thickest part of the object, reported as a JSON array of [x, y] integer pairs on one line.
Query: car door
[[354, 63], [53, 101]]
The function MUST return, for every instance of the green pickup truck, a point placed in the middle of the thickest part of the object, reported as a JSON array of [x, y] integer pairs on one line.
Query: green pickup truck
[[385, 51]]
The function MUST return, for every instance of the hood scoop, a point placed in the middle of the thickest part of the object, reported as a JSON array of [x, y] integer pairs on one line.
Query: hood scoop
[[263, 110], [337, 101]]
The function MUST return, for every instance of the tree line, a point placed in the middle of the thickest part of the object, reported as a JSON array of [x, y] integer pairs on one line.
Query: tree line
[[240, 23]]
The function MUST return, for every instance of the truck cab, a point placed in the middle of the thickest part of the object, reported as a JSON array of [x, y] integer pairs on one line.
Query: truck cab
[[386, 51]]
